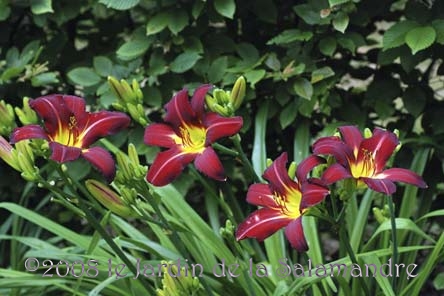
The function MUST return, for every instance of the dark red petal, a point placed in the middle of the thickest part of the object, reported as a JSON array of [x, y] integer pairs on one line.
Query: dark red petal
[[334, 146], [402, 175], [351, 136], [381, 145], [159, 134], [167, 166], [277, 175], [334, 173], [261, 224], [62, 153], [295, 234], [307, 165], [31, 131], [179, 111], [260, 195], [101, 124], [380, 185], [198, 100], [76, 105], [102, 160], [53, 111], [219, 127], [312, 194], [208, 163]]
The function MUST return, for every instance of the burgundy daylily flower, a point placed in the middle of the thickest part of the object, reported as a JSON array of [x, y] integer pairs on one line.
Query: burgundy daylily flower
[[188, 135], [364, 160], [284, 201], [70, 130]]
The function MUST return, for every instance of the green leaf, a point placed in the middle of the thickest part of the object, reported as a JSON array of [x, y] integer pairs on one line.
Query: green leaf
[[83, 76], [438, 25], [303, 88], [327, 46], [5, 11], [414, 100], [321, 73], [291, 35], [254, 76], [178, 21], [288, 115], [309, 15], [184, 62], [133, 49], [217, 69], [120, 4], [103, 66], [259, 153], [225, 8], [395, 35], [337, 2], [41, 6], [44, 79], [340, 22], [438, 282], [420, 38], [382, 281], [157, 23]]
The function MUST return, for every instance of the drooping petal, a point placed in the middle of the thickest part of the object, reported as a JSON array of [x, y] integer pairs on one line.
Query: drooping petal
[[352, 137], [208, 163], [168, 165], [381, 145], [334, 146], [312, 194], [198, 100], [295, 234], [277, 175], [159, 134], [261, 195], [334, 173], [402, 175], [101, 124], [31, 131], [380, 185], [62, 153], [307, 165], [76, 106], [102, 160], [219, 127], [53, 111], [179, 111], [261, 224]]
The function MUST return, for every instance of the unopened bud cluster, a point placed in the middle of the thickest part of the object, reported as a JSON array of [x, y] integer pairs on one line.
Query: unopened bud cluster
[[227, 102]]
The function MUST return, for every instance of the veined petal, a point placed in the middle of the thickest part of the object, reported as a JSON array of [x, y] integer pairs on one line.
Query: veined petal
[[219, 127], [312, 194], [159, 134], [351, 136], [31, 131], [102, 160], [261, 224], [101, 124], [277, 175], [402, 175], [62, 153], [334, 173], [179, 111], [261, 195], [198, 100], [295, 234], [307, 165], [334, 146], [381, 145], [380, 185], [53, 111], [208, 163], [168, 165]]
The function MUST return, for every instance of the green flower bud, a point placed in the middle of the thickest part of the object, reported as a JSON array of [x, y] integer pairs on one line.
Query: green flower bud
[[7, 118], [238, 93], [379, 215], [367, 133], [6, 153], [26, 115], [292, 170]]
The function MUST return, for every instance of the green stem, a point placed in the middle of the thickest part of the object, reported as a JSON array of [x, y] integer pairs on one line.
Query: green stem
[[225, 150], [237, 144], [394, 241]]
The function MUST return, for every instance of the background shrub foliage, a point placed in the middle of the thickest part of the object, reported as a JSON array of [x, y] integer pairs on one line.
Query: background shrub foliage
[[310, 66]]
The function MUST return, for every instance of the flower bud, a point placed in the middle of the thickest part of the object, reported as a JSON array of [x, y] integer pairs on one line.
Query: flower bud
[[26, 115], [367, 133], [238, 93], [292, 170], [7, 118], [7, 155]]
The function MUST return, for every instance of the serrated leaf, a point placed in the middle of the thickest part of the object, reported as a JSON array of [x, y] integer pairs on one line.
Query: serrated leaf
[[133, 49], [337, 2], [327, 46], [41, 6], [420, 38], [120, 4], [178, 21], [321, 73], [291, 35], [83, 76], [184, 62], [395, 35], [288, 115], [225, 8], [303, 88], [157, 23], [103, 66], [340, 22], [438, 25]]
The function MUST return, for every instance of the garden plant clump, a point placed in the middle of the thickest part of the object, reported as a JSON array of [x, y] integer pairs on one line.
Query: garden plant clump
[[221, 147]]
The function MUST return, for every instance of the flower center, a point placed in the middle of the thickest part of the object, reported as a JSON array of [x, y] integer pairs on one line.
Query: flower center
[[289, 204], [364, 167], [68, 134], [193, 138]]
